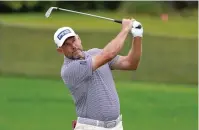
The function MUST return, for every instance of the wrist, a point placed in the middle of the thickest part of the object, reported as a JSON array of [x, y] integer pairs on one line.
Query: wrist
[[137, 38]]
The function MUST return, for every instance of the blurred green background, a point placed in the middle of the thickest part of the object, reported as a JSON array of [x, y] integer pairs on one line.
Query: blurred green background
[[161, 94]]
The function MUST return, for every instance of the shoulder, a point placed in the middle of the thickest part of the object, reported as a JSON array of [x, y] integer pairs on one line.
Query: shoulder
[[94, 51], [67, 68]]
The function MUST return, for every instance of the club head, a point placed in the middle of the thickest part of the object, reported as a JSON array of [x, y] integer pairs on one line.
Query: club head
[[48, 12]]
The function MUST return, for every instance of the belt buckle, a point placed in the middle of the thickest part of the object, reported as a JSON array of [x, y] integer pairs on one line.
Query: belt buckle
[[110, 124]]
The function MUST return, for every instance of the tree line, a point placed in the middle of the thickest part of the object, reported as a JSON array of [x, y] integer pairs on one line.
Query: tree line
[[129, 6]]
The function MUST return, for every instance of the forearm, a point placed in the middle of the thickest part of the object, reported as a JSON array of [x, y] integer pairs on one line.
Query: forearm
[[114, 47], [135, 52]]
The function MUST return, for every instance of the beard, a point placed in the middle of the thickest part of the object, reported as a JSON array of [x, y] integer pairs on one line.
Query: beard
[[77, 55]]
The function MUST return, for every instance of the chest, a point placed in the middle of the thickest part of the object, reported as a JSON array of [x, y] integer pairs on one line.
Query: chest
[[103, 72]]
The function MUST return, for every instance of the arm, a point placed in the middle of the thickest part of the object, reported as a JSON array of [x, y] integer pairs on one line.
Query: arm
[[113, 47], [135, 53], [132, 60]]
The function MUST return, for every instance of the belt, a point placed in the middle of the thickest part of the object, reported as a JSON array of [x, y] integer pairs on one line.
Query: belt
[[105, 124]]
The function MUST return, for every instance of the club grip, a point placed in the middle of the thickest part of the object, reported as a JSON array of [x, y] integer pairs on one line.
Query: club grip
[[118, 21]]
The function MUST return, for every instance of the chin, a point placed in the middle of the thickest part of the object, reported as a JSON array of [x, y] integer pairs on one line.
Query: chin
[[77, 57]]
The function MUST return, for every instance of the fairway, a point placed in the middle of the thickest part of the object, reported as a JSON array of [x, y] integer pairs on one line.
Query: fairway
[[43, 104]]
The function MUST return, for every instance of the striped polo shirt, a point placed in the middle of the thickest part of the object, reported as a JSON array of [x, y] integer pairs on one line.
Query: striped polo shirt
[[93, 92]]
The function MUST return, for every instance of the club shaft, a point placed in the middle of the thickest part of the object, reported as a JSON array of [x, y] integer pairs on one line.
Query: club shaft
[[85, 14]]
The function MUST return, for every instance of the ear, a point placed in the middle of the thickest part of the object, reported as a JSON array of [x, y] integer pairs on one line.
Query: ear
[[78, 36], [59, 50]]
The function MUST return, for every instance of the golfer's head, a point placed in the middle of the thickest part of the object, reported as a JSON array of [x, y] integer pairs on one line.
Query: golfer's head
[[68, 43]]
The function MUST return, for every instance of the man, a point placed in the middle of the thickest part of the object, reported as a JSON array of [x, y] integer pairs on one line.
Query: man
[[88, 75]]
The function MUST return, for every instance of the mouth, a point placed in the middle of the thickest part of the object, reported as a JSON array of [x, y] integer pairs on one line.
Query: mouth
[[77, 54]]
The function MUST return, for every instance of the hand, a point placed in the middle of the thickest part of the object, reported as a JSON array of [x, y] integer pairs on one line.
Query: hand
[[136, 32], [127, 24]]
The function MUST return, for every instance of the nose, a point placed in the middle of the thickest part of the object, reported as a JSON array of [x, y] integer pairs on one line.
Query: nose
[[74, 46]]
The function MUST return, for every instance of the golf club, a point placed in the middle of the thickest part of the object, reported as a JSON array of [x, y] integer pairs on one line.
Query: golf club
[[49, 11]]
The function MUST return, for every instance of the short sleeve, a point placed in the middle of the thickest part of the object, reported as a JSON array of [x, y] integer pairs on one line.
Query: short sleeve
[[110, 63], [113, 61], [77, 71]]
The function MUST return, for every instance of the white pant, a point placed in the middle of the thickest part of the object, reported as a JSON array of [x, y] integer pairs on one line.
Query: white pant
[[80, 126]]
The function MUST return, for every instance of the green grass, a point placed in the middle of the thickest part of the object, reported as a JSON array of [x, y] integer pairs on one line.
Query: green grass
[[32, 52], [38, 104], [176, 26], [170, 49]]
